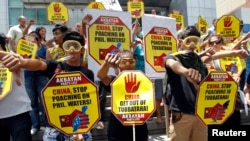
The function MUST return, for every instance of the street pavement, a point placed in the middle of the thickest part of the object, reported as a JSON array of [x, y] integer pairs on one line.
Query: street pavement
[[152, 137], [158, 137]]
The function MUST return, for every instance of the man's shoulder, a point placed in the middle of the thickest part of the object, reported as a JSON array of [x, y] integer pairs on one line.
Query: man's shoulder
[[172, 56], [15, 27], [87, 70]]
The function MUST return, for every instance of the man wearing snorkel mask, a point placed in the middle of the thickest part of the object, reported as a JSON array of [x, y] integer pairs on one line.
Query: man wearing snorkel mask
[[185, 70], [73, 43]]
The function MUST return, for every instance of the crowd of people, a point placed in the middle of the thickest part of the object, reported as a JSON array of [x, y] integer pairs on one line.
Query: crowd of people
[[19, 116]]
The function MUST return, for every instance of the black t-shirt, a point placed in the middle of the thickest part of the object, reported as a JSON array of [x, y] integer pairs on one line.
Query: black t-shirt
[[118, 132], [183, 92], [52, 65]]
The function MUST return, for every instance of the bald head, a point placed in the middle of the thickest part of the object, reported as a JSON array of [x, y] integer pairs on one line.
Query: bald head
[[22, 21]]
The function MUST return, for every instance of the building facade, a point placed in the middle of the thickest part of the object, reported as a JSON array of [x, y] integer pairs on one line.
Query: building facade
[[191, 9]]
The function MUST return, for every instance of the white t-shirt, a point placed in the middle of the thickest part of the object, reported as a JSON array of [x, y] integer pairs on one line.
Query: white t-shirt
[[15, 33], [17, 101]]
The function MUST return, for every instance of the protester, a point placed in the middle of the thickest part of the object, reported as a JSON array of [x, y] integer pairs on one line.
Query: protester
[[137, 46], [15, 120], [185, 70], [73, 46], [78, 27], [16, 32], [216, 43], [124, 60], [42, 31], [153, 11], [212, 29], [57, 52], [102, 99], [247, 90], [34, 89]]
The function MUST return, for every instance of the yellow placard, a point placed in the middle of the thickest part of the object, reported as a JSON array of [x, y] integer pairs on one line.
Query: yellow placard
[[179, 19], [229, 27], [71, 103], [132, 97], [216, 98], [202, 25], [136, 8], [158, 43], [27, 47], [234, 65], [95, 5], [57, 12], [5, 81], [108, 35]]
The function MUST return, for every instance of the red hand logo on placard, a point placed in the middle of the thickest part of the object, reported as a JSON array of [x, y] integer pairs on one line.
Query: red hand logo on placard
[[131, 84], [95, 6], [77, 120], [227, 22], [136, 12], [217, 112], [57, 7]]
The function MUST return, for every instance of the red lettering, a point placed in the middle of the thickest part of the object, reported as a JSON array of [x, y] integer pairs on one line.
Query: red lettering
[[130, 97], [155, 37], [61, 91], [100, 27]]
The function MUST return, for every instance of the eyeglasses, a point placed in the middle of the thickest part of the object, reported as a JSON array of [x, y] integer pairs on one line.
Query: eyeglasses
[[215, 42], [127, 61], [72, 45]]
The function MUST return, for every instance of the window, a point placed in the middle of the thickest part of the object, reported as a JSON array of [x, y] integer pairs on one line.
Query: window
[[42, 17], [15, 3], [14, 13], [16, 9]]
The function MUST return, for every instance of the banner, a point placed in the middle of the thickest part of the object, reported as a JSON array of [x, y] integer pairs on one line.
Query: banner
[[107, 32], [216, 98], [71, 103], [159, 40], [111, 4], [179, 19]]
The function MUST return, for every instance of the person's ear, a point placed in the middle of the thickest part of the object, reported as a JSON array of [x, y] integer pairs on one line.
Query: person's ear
[[180, 41]]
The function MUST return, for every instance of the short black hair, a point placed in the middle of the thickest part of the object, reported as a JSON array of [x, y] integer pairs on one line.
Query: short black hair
[[74, 35], [37, 33], [190, 31], [3, 41], [62, 28]]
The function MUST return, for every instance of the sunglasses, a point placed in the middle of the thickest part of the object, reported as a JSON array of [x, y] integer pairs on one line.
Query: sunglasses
[[72, 45], [127, 61], [191, 40], [214, 42]]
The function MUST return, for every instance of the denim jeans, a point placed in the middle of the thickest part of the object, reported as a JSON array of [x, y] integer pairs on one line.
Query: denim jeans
[[34, 84], [18, 127]]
